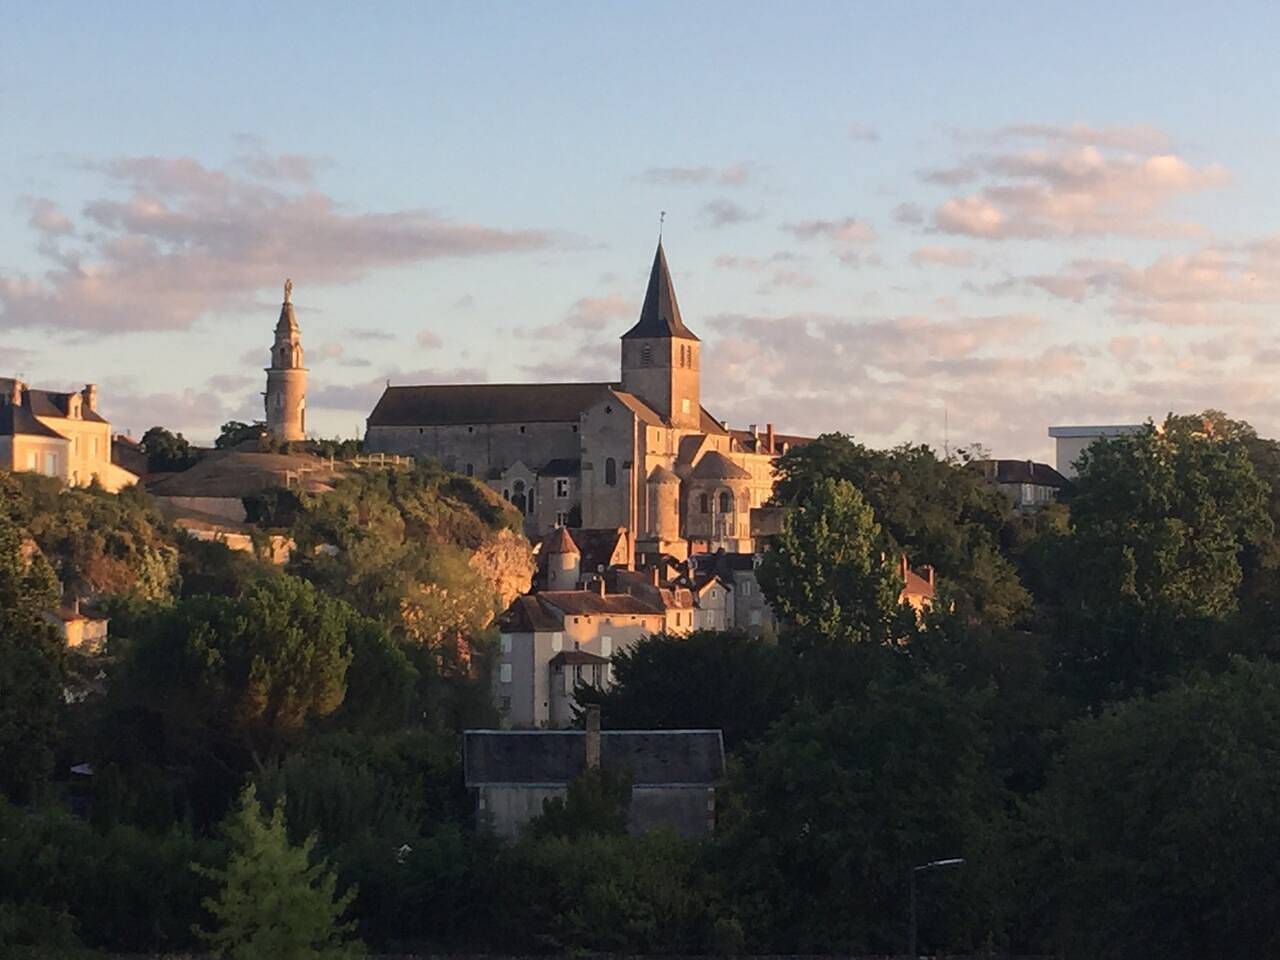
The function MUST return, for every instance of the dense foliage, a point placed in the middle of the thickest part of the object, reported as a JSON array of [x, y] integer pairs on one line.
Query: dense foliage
[[1088, 717]]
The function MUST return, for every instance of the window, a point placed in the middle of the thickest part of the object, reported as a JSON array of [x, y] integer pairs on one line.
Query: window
[[606, 646], [557, 642], [684, 405], [469, 430], [562, 488], [755, 618], [608, 409], [471, 469], [704, 503], [33, 461], [575, 428], [726, 502], [746, 588], [562, 518], [506, 643], [504, 673], [611, 472], [522, 429], [51, 464], [506, 704], [646, 355]]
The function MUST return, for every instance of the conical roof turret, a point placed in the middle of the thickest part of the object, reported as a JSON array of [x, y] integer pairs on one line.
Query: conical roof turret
[[660, 315], [559, 540]]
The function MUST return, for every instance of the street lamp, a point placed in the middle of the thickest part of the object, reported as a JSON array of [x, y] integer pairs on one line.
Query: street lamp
[[931, 865]]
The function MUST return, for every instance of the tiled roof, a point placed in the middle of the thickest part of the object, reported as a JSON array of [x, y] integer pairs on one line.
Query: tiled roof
[[589, 603], [642, 410], [661, 474], [578, 657], [660, 314], [651, 757], [559, 540], [527, 615], [714, 465], [456, 404], [46, 403], [599, 546], [709, 424], [756, 442]]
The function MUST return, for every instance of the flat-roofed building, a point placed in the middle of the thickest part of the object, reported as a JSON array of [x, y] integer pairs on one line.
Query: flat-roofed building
[[1071, 441]]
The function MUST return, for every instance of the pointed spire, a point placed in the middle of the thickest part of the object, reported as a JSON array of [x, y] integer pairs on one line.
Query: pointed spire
[[287, 324], [660, 315]]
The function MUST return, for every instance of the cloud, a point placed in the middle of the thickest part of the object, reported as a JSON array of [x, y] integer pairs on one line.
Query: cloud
[[362, 396], [911, 214], [46, 219], [370, 334], [847, 230], [1072, 182], [862, 133], [756, 264], [788, 279], [187, 240], [734, 175], [324, 352], [941, 256], [230, 382], [723, 212], [589, 314], [429, 340]]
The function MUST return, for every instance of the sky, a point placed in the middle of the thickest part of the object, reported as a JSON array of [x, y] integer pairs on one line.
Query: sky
[[950, 224]]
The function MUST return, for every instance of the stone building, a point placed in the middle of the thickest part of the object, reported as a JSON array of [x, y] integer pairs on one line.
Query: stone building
[[60, 435], [641, 454], [286, 395], [673, 773]]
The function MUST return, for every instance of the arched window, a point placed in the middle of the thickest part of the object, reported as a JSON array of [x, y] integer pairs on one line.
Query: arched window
[[646, 356], [517, 496], [611, 472], [726, 502], [704, 503], [471, 469]]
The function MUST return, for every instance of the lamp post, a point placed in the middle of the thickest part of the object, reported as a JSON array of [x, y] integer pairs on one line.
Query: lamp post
[[931, 865]]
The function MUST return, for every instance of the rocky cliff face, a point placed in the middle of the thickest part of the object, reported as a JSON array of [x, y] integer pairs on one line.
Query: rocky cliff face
[[505, 562]]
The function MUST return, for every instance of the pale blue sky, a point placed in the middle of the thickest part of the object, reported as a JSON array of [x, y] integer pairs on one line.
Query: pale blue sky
[[1019, 213]]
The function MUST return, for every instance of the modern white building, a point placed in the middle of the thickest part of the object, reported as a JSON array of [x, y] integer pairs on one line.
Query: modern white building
[[1071, 441]]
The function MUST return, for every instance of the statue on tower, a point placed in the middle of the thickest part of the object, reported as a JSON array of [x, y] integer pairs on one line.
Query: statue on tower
[[288, 291]]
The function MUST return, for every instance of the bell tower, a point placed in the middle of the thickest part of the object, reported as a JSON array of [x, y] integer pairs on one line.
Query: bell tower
[[286, 396], [660, 355]]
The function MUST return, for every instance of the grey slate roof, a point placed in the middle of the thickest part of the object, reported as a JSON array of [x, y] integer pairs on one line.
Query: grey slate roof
[[1019, 471], [660, 314], [17, 421], [458, 404], [554, 757]]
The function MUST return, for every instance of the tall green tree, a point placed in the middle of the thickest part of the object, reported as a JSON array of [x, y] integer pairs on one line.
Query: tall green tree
[[934, 510], [828, 576], [32, 667], [167, 451], [274, 902]]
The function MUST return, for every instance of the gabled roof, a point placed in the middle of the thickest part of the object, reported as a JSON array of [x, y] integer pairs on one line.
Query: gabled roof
[[17, 421], [554, 757], [589, 603], [714, 465], [527, 615], [47, 403], [709, 424], [644, 413], [476, 403], [600, 546], [578, 657], [1019, 471], [660, 314]]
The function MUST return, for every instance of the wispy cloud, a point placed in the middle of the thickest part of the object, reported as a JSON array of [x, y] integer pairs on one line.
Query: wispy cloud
[[723, 212], [188, 240], [734, 175]]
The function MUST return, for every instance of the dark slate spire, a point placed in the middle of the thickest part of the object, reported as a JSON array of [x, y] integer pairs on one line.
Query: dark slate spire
[[660, 315]]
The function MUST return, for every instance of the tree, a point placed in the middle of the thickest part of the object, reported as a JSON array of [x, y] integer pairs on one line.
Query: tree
[[1160, 522], [236, 432], [597, 802], [706, 680], [1156, 835], [828, 575], [32, 668], [167, 452], [274, 903], [936, 511]]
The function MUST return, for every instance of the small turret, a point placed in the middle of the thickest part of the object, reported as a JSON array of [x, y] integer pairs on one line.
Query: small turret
[[564, 560]]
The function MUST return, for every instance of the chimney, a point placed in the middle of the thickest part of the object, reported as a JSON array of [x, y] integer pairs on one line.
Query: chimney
[[593, 736], [754, 430], [597, 585], [768, 434], [75, 605], [929, 571], [90, 393], [15, 394], [905, 568]]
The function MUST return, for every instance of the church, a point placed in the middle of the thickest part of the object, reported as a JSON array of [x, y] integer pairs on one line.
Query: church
[[641, 455]]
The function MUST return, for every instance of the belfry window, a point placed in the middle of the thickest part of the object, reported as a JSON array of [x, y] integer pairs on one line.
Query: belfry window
[[611, 472], [646, 356]]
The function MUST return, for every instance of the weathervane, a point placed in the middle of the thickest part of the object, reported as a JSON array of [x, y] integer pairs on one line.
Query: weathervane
[[661, 219], [288, 290]]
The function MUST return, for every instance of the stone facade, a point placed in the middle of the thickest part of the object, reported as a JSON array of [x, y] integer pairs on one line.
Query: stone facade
[[286, 395], [642, 453], [60, 435]]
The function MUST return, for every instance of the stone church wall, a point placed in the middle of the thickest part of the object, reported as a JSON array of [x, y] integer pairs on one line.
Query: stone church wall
[[486, 446]]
